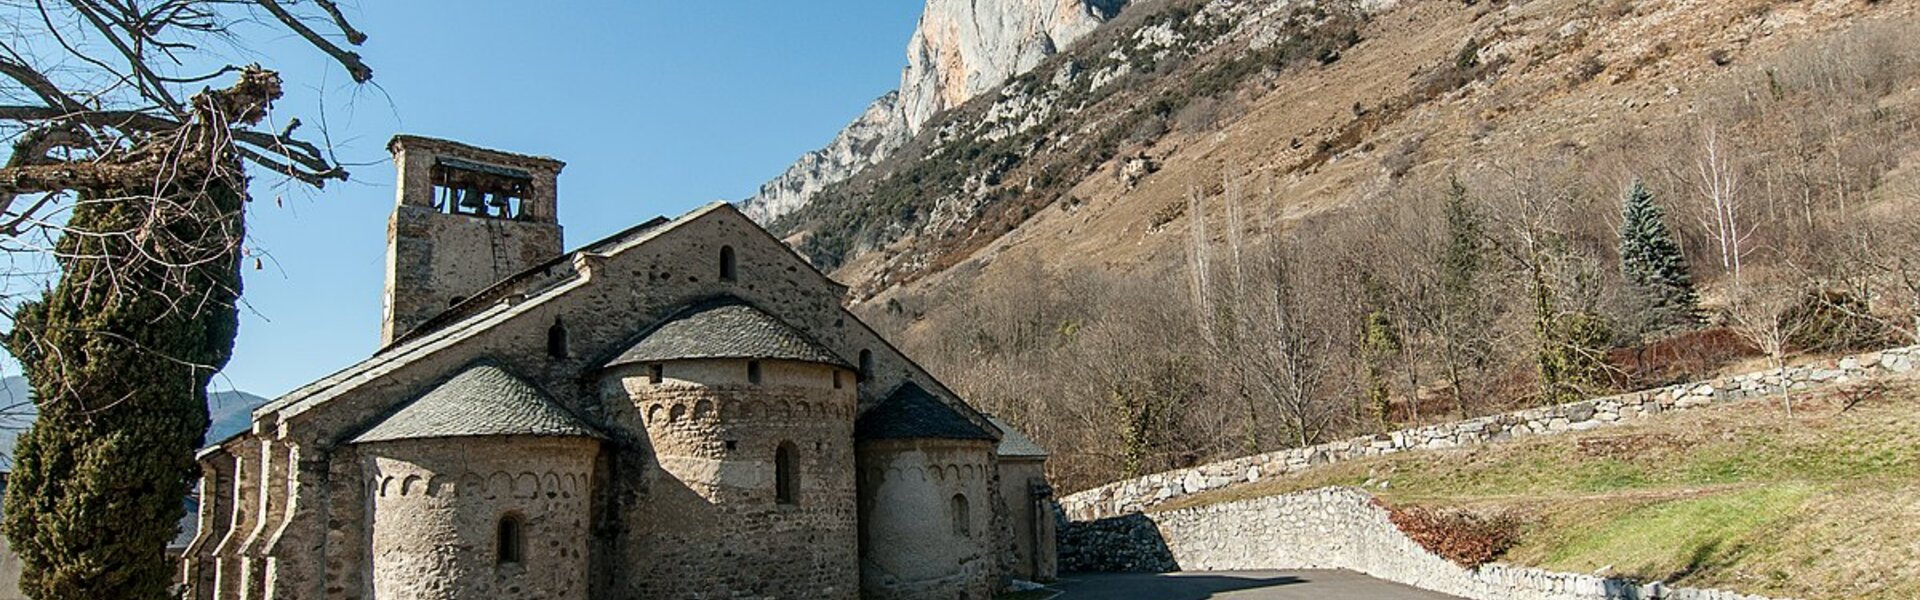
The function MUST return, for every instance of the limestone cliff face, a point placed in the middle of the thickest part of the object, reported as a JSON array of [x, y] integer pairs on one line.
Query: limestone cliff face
[[864, 142], [960, 49]]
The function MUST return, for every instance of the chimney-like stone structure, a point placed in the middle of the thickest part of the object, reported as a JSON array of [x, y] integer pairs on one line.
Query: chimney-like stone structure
[[465, 218]]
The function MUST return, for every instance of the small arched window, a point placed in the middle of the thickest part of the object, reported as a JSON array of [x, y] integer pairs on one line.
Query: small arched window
[[510, 544], [866, 365], [557, 339], [753, 372], [962, 519], [786, 474], [727, 267]]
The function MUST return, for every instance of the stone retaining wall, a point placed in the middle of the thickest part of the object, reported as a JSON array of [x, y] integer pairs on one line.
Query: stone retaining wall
[[1135, 495], [1329, 528]]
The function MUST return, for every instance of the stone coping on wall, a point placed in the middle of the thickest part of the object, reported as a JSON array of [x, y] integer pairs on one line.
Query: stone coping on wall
[[1327, 528], [1138, 494]]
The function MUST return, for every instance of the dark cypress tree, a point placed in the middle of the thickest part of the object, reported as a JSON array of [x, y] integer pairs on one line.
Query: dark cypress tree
[[1462, 309], [119, 353], [1658, 282]]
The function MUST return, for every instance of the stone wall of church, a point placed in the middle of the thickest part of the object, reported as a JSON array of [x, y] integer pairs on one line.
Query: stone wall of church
[[927, 519], [707, 519], [1029, 500], [480, 518], [603, 300]]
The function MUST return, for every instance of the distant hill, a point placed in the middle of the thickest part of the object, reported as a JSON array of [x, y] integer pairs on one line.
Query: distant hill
[[231, 410]]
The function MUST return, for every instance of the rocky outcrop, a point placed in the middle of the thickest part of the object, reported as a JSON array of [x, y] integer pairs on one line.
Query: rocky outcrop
[[863, 143], [960, 49]]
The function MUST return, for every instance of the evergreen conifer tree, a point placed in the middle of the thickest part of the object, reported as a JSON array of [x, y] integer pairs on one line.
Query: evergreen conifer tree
[[1658, 281], [119, 352]]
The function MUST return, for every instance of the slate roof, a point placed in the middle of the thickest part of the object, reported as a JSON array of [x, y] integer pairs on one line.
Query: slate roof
[[483, 400], [1015, 444], [725, 328], [911, 412]]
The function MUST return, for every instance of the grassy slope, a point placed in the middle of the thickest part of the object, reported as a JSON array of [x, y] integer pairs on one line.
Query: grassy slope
[[1822, 505]]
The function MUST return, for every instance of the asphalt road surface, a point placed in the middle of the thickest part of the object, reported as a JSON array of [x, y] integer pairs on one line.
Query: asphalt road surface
[[1236, 585]]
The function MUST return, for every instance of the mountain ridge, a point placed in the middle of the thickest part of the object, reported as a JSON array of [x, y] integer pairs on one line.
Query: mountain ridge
[[958, 49]]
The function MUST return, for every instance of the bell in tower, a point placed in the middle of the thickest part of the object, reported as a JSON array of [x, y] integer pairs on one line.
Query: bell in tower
[[465, 218]]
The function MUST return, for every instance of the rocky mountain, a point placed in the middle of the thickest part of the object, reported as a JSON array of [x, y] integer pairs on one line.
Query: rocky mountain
[[231, 411], [1024, 244], [960, 49]]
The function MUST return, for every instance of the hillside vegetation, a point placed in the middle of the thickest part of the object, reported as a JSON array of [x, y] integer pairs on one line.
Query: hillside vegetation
[[1739, 496], [1213, 228]]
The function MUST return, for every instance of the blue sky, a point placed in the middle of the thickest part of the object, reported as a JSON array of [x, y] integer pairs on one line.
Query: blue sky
[[656, 107]]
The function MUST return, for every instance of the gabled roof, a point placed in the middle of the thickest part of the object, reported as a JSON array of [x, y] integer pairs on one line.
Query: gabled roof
[[483, 400], [493, 294], [1015, 444], [911, 412], [725, 327]]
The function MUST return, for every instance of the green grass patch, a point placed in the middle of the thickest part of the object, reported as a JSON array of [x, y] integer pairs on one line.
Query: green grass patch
[[1736, 497], [1664, 539]]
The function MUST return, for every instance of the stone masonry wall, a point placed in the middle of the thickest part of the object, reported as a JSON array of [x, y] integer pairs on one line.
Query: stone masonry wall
[[927, 519], [438, 508], [1330, 528], [706, 521], [1134, 495]]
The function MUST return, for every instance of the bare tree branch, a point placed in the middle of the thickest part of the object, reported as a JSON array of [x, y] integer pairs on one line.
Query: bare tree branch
[[359, 70]]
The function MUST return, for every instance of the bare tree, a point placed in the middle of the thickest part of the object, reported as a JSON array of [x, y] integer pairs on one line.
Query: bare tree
[[1719, 184], [1755, 311], [1256, 331]]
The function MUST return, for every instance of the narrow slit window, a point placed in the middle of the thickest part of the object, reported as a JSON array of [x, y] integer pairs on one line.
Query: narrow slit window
[[557, 339], [656, 373], [727, 267], [962, 517], [753, 372], [786, 478], [511, 544], [866, 365]]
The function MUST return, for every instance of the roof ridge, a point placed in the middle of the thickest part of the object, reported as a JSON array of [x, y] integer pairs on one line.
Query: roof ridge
[[705, 328], [483, 398]]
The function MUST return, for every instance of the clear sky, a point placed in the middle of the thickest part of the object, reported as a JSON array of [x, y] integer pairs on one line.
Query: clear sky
[[656, 107]]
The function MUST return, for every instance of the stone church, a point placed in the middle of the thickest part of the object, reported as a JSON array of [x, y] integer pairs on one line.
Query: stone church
[[684, 409]]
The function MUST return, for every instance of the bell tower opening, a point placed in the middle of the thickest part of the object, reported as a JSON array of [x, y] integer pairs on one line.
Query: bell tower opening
[[465, 218]]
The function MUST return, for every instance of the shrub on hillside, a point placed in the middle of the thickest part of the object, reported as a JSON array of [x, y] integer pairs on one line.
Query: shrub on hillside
[[1833, 320], [1466, 538], [1677, 358]]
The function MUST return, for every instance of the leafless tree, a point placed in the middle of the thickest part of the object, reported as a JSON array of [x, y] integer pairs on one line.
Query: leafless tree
[[1719, 184], [1256, 331], [84, 84], [1754, 311]]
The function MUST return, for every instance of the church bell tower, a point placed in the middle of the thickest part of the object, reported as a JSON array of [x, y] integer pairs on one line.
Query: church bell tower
[[465, 218]]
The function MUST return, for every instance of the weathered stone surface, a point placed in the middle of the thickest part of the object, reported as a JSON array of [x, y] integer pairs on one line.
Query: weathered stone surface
[[707, 473]]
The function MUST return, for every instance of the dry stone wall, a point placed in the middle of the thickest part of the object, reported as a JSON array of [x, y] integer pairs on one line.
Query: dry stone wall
[[1330, 528], [1135, 495]]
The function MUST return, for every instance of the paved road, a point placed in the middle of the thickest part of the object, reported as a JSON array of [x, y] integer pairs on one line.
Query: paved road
[[1237, 585]]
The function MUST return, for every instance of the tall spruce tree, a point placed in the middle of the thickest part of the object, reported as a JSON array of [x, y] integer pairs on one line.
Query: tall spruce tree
[[1658, 282]]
